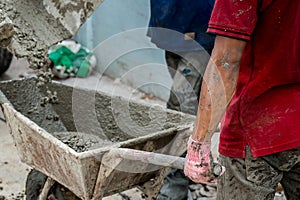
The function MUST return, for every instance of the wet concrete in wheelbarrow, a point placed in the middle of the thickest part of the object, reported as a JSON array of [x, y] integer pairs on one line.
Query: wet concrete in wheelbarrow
[[81, 142], [13, 172], [107, 117], [107, 121]]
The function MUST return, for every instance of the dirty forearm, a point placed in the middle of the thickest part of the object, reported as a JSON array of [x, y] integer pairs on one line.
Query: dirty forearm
[[218, 86]]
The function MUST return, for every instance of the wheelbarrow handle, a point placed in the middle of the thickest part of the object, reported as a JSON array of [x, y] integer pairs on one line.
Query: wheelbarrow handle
[[156, 159], [149, 157]]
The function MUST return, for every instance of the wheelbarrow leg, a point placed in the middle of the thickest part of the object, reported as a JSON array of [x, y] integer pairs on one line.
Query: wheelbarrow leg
[[49, 183]]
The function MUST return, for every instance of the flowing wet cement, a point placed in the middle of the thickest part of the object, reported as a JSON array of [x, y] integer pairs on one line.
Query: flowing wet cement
[[30, 27], [93, 119]]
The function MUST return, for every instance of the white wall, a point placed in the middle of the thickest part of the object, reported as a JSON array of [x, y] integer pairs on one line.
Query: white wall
[[117, 34]]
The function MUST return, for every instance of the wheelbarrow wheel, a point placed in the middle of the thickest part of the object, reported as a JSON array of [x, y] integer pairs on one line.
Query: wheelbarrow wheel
[[5, 59], [35, 183]]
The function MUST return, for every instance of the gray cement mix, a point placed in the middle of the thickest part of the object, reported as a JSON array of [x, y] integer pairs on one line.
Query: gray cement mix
[[81, 142], [26, 98], [92, 119]]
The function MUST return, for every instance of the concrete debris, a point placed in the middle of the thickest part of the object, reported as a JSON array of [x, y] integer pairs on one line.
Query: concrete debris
[[50, 98], [44, 76]]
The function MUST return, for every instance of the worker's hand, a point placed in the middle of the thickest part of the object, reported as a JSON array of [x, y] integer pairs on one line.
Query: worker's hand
[[199, 166]]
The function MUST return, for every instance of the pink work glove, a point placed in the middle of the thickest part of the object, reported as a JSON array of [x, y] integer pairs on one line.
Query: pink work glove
[[199, 166]]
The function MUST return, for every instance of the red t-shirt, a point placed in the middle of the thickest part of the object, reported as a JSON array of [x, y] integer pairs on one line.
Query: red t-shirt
[[265, 110]]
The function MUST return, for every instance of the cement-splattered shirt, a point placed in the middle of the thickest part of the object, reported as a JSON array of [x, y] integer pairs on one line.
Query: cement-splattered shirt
[[265, 110]]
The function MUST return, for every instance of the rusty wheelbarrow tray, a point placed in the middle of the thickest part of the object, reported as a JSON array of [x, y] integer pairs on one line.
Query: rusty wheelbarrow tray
[[99, 172]]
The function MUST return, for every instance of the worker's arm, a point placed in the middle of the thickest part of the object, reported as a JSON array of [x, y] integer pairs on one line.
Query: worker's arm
[[217, 90], [218, 86]]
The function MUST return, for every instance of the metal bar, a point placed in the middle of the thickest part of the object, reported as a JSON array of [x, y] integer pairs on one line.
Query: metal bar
[[157, 159], [149, 157]]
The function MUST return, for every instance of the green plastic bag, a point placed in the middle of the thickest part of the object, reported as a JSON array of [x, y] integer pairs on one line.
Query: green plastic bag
[[71, 59]]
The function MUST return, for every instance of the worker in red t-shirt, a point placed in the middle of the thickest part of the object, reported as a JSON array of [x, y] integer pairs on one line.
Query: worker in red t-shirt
[[253, 75]]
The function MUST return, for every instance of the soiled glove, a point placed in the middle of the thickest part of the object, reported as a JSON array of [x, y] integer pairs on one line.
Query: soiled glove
[[199, 166]]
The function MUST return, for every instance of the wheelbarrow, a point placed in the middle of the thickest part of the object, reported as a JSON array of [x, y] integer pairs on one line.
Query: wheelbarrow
[[141, 140]]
